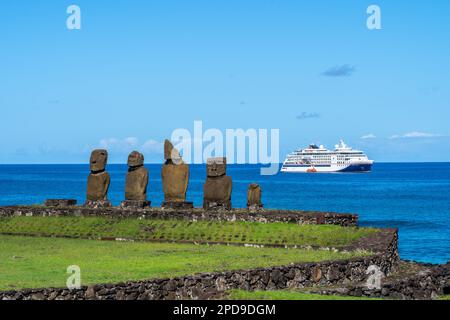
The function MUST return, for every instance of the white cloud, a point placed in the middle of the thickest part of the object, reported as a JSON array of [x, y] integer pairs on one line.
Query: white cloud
[[368, 136], [340, 71], [153, 146], [416, 134], [131, 141], [308, 115], [130, 144], [122, 145]]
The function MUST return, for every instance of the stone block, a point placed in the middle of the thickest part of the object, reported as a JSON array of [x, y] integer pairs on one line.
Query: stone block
[[60, 202], [135, 204]]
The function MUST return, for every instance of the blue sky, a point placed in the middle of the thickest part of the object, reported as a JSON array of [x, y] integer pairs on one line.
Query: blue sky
[[137, 70]]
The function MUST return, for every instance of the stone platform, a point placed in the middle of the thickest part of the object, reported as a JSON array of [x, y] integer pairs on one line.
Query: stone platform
[[193, 214]]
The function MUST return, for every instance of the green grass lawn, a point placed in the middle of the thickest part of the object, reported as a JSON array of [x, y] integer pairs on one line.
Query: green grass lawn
[[285, 295], [179, 230], [33, 262]]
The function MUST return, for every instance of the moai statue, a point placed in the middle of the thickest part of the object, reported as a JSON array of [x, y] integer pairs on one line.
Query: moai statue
[[217, 188], [98, 180], [175, 178], [136, 183], [254, 197]]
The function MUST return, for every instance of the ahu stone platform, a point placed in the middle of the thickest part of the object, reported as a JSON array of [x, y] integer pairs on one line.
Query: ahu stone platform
[[194, 214]]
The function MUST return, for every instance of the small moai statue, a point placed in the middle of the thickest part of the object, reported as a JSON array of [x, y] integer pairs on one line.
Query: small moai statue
[[254, 197], [136, 183], [218, 186], [175, 179], [98, 180]]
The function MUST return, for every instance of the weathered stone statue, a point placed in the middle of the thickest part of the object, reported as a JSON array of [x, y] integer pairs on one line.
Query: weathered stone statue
[[254, 197], [136, 182], [175, 178], [98, 180], [217, 188]]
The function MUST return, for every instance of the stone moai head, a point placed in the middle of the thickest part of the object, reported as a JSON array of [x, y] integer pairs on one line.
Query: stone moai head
[[98, 160], [135, 160], [216, 167], [171, 155]]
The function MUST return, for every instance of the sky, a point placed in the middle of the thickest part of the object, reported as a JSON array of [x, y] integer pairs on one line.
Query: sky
[[138, 70]]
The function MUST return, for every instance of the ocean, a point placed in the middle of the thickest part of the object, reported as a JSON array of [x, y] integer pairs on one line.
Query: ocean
[[414, 197]]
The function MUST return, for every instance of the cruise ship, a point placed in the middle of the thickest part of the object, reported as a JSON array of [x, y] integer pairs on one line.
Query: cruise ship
[[320, 159]]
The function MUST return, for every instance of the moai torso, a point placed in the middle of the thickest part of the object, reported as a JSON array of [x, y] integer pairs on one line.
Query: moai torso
[[98, 185], [218, 189], [218, 186], [136, 184], [254, 197], [175, 180]]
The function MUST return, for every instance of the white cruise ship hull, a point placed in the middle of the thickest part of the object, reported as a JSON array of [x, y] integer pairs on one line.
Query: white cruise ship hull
[[319, 159], [361, 166]]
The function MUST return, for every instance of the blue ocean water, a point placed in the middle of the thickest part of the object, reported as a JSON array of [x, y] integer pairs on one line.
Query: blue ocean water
[[414, 197]]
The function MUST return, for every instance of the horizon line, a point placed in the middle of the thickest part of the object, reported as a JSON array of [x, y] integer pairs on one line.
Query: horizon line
[[147, 163]]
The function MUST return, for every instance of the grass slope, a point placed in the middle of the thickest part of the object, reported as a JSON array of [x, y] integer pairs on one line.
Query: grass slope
[[285, 295], [31, 262], [178, 230]]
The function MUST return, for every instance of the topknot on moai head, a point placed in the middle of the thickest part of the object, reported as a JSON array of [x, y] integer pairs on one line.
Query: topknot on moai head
[[254, 186], [99, 158], [216, 167], [135, 159], [171, 154]]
